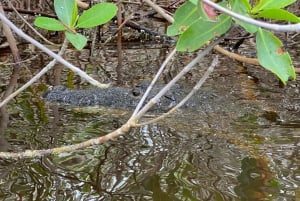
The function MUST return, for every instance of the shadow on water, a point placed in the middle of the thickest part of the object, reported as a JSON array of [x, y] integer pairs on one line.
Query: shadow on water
[[242, 147]]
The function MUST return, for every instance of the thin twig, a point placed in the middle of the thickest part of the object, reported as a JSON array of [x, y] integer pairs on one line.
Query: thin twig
[[161, 11], [186, 69], [38, 153], [186, 98], [241, 58], [20, 62], [153, 82], [236, 56]]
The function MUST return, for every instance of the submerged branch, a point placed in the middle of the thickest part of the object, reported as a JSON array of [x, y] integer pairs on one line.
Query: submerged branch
[[44, 152]]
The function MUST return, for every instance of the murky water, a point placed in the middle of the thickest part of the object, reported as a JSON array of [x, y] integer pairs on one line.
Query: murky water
[[244, 147]]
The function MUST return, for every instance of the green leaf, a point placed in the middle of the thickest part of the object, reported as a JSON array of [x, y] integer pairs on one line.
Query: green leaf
[[271, 4], [64, 10], [246, 4], [201, 32], [97, 15], [195, 2], [77, 40], [184, 16], [272, 57], [242, 8], [49, 24], [279, 14], [74, 15]]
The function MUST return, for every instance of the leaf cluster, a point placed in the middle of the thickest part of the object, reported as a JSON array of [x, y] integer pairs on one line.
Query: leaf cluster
[[69, 20], [196, 24]]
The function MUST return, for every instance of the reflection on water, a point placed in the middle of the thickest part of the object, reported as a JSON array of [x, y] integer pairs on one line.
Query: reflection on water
[[155, 162], [238, 147], [256, 180], [150, 163]]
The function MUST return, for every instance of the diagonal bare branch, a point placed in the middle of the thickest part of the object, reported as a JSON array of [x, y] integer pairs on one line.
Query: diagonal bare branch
[[209, 70]]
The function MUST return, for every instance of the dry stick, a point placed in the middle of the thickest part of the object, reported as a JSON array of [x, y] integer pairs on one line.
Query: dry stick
[[164, 64], [81, 73], [5, 63], [82, 4], [237, 56], [119, 27], [186, 69], [36, 77], [240, 58], [30, 12], [160, 11], [186, 98]]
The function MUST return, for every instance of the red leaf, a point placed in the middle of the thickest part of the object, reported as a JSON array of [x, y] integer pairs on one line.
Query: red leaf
[[211, 13]]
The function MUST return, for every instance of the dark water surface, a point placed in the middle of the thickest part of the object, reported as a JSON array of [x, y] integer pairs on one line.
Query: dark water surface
[[243, 147]]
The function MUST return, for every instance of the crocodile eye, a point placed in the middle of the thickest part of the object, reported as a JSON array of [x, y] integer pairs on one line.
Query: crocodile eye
[[136, 91]]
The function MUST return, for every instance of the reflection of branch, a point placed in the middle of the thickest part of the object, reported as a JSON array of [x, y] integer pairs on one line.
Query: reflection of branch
[[185, 99], [274, 27], [38, 153]]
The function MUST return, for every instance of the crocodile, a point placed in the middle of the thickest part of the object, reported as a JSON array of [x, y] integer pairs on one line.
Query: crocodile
[[125, 98]]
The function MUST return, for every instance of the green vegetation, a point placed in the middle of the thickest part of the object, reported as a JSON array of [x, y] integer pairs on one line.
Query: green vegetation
[[196, 24], [69, 20]]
